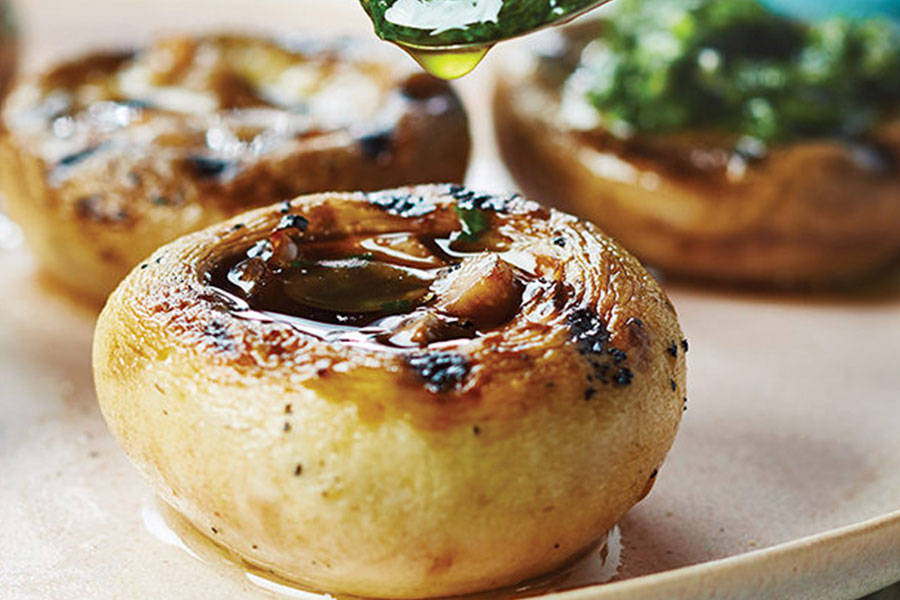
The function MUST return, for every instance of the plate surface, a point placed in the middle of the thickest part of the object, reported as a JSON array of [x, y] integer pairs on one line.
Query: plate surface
[[784, 481]]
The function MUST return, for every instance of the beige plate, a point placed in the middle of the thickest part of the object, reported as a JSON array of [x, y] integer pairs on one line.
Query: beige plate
[[784, 481]]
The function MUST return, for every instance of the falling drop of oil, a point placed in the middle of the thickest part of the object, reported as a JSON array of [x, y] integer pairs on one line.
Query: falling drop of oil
[[447, 63]]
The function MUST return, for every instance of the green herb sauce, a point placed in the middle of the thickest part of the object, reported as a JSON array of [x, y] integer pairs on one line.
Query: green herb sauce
[[734, 67], [7, 19], [491, 21]]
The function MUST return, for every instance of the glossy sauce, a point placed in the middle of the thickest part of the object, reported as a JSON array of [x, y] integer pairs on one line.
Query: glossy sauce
[[598, 565], [380, 292]]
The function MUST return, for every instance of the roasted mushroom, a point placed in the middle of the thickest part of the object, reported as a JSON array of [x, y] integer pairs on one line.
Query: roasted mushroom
[[716, 141], [413, 393], [111, 155]]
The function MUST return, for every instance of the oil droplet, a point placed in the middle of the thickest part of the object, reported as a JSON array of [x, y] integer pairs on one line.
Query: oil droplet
[[155, 522], [169, 527], [599, 565], [447, 63], [284, 589], [10, 234]]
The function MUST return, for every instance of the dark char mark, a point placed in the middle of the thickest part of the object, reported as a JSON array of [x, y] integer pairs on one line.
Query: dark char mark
[[92, 208], [76, 157], [623, 377], [588, 331], [220, 336], [872, 157], [422, 87], [377, 145], [618, 356], [205, 167], [590, 334], [468, 199], [292, 222], [442, 371], [135, 103], [402, 204]]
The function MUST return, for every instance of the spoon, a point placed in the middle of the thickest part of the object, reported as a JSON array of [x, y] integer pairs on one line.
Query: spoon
[[450, 37]]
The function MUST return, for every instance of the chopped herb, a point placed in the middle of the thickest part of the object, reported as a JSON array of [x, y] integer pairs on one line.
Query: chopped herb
[[396, 306], [474, 222]]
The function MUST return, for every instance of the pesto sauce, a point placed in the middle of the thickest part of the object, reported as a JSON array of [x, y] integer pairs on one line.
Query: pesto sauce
[[491, 21], [7, 20], [732, 66]]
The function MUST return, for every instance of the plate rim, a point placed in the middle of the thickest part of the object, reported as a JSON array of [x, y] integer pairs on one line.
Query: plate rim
[[874, 542]]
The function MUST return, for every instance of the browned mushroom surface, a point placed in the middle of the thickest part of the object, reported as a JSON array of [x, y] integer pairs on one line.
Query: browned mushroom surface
[[476, 387], [701, 204], [110, 155]]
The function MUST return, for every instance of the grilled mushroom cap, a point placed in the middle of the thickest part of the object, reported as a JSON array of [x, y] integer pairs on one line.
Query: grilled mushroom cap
[[813, 212], [110, 155], [354, 460]]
